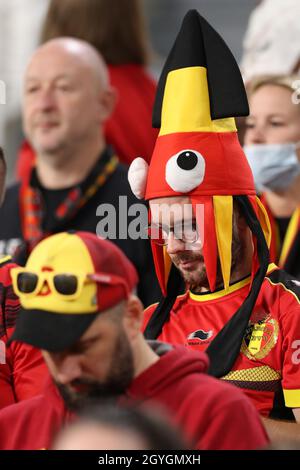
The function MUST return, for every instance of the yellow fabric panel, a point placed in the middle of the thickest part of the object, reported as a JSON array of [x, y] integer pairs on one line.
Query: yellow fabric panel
[[292, 398], [186, 105], [254, 374], [264, 221], [223, 208], [271, 267], [5, 259], [168, 264]]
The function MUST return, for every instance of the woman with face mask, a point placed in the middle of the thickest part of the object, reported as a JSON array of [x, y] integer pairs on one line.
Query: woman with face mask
[[272, 145]]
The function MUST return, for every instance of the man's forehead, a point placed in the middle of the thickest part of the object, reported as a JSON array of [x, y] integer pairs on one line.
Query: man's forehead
[[58, 61], [172, 208], [59, 75]]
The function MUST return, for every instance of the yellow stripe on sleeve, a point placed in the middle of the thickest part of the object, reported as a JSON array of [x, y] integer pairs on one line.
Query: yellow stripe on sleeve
[[292, 398]]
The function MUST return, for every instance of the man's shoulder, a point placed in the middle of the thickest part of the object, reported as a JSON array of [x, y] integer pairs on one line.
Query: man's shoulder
[[9, 208], [12, 193], [148, 312], [286, 283], [22, 410], [178, 302], [20, 424]]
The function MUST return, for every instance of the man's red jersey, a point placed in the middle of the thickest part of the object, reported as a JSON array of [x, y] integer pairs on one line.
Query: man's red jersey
[[267, 367]]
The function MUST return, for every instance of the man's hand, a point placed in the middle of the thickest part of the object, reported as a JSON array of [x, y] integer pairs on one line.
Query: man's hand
[[283, 431]]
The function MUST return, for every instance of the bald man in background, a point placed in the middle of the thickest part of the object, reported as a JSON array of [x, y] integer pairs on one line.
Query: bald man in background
[[66, 100]]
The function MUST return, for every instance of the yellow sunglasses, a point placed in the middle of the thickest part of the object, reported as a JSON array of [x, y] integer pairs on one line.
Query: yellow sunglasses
[[66, 285]]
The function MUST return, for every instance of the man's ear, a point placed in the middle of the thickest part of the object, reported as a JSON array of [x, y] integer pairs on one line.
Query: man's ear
[[133, 316], [107, 102]]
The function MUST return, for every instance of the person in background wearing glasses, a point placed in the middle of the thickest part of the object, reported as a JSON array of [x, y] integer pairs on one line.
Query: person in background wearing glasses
[[22, 369], [272, 142], [239, 309], [79, 309]]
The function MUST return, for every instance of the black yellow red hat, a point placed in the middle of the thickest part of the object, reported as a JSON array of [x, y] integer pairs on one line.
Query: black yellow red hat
[[54, 321], [197, 154]]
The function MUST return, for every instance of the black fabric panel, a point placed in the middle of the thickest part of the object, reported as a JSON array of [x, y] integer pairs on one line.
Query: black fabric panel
[[227, 93], [279, 410], [292, 264], [198, 44], [162, 312], [286, 279]]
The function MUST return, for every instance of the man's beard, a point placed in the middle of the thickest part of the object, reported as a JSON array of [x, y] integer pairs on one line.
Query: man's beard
[[197, 277], [118, 379]]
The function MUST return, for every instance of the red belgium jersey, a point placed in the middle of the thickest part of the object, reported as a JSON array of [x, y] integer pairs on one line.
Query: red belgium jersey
[[267, 368]]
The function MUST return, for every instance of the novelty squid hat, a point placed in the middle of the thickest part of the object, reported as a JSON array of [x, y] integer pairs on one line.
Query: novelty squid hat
[[197, 154]]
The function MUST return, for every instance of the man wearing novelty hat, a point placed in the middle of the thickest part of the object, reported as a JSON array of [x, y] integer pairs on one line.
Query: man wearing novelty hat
[[243, 312], [78, 307]]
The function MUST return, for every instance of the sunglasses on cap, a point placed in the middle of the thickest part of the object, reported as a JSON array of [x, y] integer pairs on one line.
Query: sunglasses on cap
[[65, 285]]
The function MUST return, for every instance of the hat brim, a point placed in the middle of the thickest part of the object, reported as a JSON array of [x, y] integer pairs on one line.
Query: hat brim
[[50, 331]]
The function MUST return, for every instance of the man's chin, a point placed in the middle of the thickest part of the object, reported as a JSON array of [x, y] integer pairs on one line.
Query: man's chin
[[197, 279], [75, 398], [44, 145]]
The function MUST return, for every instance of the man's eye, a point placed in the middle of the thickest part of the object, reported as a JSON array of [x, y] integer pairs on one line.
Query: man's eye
[[63, 87], [32, 90], [277, 124]]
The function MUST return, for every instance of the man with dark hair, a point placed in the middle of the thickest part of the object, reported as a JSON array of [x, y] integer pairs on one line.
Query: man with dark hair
[[209, 228], [78, 307]]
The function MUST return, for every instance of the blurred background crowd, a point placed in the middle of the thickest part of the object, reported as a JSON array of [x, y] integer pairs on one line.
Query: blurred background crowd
[[260, 42]]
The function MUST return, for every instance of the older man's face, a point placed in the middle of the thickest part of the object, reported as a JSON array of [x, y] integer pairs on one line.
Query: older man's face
[[60, 102], [99, 365]]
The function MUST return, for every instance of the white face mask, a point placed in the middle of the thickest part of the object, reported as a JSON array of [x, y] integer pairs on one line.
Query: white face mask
[[274, 166]]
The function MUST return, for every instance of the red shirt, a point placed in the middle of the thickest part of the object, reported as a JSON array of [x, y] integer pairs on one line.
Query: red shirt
[[211, 414], [22, 369], [267, 368], [32, 424]]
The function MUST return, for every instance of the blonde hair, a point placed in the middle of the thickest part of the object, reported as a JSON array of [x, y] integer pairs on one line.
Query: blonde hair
[[291, 82]]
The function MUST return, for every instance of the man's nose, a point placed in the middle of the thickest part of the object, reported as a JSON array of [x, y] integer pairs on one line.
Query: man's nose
[[174, 244], [46, 100], [68, 369]]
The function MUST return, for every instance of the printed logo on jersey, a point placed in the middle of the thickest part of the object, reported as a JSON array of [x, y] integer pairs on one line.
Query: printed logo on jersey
[[261, 336], [199, 337]]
